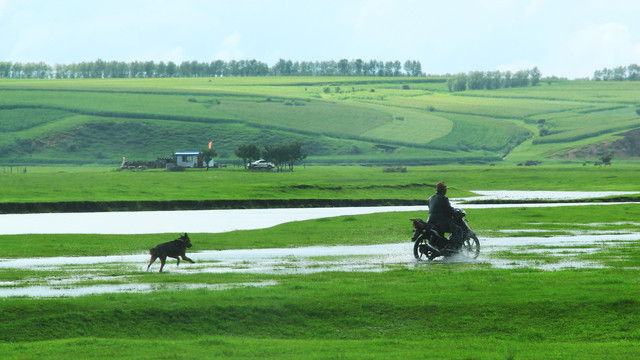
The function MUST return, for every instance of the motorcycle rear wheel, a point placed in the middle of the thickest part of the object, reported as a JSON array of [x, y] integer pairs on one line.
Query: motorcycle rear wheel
[[422, 251], [471, 247]]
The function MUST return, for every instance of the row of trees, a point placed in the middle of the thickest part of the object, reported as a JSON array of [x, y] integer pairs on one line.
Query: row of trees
[[476, 80], [621, 73], [218, 68], [282, 155]]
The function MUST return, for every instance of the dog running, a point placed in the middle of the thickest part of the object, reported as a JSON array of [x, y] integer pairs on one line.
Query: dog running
[[173, 249]]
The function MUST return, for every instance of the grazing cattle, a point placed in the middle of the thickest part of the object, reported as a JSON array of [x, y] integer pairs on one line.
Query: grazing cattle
[[173, 249]]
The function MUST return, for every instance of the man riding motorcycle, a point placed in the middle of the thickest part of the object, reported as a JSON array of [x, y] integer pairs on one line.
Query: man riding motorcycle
[[441, 215]]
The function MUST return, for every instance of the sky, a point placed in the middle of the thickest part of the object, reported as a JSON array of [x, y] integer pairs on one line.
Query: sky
[[563, 38]]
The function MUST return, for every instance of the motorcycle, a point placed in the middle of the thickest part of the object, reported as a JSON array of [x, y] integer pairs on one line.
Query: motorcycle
[[431, 243]]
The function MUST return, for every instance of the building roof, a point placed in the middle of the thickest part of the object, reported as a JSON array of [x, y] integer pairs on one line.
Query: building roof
[[187, 153]]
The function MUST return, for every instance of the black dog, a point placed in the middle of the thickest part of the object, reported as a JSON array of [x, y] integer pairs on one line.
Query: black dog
[[174, 249]]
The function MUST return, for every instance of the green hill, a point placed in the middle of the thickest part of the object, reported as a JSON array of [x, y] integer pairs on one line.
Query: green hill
[[346, 120]]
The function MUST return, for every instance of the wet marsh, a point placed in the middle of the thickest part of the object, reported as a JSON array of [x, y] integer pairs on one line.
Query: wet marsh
[[543, 285]]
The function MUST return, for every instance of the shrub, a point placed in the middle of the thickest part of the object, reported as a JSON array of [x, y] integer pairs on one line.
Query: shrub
[[398, 169], [174, 168]]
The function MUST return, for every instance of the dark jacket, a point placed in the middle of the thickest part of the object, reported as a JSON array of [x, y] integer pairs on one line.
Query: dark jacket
[[440, 210]]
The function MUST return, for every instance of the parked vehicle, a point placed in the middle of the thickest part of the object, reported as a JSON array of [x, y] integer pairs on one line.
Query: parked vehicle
[[430, 243], [261, 164]]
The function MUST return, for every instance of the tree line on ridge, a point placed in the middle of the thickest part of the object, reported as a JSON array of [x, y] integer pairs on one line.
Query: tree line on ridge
[[218, 68]]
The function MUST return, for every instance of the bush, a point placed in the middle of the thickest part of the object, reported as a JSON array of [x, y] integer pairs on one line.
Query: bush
[[174, 168], [398, 169]]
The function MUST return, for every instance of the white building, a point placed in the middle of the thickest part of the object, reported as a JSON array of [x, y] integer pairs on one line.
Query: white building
[[191, 159]]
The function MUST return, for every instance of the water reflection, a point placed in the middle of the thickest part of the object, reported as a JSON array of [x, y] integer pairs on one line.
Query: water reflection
[[75, 291], [218, 221]]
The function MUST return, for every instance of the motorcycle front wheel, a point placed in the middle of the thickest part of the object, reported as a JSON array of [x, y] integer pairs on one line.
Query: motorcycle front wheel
[[471, 246]]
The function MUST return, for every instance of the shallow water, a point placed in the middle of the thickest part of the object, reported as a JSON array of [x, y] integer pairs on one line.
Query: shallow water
[[56, 291], [217, 221], [72, 272], [247, 259], [545, 195]]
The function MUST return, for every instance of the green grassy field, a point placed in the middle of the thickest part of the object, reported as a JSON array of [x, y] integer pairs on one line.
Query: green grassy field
[[47, 184], [339, 120], [435, 311]]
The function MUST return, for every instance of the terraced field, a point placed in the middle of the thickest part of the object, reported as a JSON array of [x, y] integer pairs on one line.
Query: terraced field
[[377, 121]]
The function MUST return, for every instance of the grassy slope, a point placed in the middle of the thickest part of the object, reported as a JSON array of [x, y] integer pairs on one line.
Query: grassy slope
[[162, 115]]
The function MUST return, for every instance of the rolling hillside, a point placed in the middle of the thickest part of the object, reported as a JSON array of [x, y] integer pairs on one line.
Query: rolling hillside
[[351, 120]]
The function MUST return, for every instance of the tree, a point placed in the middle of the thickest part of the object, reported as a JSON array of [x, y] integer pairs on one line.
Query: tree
[[172, 69], [343, 67], [284, 154], [476, 80], [247, 152], [535, 76], [294, 153], [358, 65], [412, 68], [520, 79], [457, 82], [634, 72], [207, 155]]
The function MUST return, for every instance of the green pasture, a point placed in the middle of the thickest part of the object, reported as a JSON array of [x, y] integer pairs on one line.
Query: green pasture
[[487, 106], [438, 310], [426, 310], [563, 127], [622, 92], [54, 184], [341, 120], [395, 314]]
